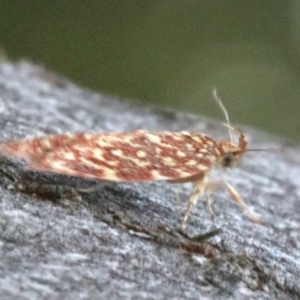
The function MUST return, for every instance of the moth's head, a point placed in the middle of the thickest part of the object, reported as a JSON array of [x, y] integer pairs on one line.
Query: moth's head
[[232, 154]]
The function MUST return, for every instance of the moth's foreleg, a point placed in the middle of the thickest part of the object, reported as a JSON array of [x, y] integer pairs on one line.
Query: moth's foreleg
[[238, 198]]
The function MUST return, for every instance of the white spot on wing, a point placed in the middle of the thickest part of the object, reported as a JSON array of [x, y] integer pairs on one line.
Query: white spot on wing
[[57, 165], [184, 174], [197, 139], [47, 143], [168, 161], [180, 154], [69, 155], [117, 152], [177, 137], [98, 153], [191, 162], [157, 176], [110, 174], [158, 150], [190, 147], [202, 167], [112, 163], [204, 151], [139, 162], [141, 154], [102, 143], [153, 138], [211, 158], [185, 133], [70, 135], [88, 136]]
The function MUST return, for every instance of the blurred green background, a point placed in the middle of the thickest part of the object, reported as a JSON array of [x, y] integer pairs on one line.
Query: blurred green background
[[171, 53]]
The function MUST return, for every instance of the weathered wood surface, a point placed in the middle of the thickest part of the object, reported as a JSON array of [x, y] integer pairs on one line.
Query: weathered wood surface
[[123, 241]]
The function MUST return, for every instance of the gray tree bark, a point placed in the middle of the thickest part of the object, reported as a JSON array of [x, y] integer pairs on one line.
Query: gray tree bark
[[123, 240]]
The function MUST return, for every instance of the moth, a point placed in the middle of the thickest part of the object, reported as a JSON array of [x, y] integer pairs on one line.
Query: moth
[[138, 156]]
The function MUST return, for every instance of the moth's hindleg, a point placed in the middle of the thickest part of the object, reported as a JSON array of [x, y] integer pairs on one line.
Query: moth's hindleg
[[209, 186], [178, 194]]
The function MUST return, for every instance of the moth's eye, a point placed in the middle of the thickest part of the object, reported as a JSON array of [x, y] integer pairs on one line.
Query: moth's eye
[[228, 159]]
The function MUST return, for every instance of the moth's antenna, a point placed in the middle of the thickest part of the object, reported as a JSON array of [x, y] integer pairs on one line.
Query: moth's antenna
[[220, 103], [266, 149]]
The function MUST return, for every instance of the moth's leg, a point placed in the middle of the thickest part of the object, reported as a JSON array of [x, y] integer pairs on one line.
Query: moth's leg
[[238, 198], [194, 178], [208, 202], [199, 187], [178, 193], [234, 195], [207, 189]]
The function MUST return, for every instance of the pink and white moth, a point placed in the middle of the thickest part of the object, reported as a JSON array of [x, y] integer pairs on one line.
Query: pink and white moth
[[137, 156]]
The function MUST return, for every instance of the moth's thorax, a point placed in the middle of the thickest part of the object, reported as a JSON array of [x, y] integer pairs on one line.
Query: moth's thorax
[[230, 154]]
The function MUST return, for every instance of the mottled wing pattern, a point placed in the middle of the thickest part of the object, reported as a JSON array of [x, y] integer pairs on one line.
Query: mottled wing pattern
[[40, 146], [132, 156]]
